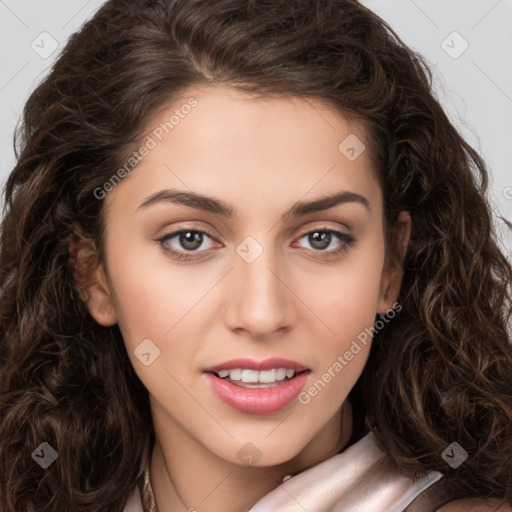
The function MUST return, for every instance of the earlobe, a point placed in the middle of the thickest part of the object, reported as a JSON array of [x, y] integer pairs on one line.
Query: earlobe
[[392, 274], [90, 279]]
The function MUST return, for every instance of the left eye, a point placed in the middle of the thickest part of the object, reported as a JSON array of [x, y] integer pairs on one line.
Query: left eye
[[321, 239]]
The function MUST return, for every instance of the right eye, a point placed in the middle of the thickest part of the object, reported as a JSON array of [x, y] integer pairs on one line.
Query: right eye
[[189, 241]]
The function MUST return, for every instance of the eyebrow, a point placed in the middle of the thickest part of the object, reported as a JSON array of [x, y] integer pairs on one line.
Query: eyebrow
[[218, 207]]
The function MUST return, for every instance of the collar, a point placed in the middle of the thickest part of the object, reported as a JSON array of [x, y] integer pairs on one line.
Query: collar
[[360, 478]]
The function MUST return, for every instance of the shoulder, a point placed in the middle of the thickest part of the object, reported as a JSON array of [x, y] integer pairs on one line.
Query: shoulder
[[475, 505]]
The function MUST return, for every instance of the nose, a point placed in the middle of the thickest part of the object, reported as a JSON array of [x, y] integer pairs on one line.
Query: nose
[[260, 300]]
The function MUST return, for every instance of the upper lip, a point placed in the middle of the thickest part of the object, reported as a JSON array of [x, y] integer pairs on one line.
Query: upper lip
[[252, 364]]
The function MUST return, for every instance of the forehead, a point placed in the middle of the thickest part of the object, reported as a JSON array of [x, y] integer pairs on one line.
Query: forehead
[[223, 142]]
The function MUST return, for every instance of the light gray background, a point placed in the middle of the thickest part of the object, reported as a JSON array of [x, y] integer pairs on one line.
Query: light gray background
[[474, 84]]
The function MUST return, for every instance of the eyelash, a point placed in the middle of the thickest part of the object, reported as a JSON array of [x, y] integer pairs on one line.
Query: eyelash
[[347, 240]]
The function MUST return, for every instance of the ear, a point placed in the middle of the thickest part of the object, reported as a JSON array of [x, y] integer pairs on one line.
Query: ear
[[90, 278], [392, 273]]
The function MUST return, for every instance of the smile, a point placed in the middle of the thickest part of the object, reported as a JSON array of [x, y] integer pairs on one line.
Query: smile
[[254, 378], [251, 398]]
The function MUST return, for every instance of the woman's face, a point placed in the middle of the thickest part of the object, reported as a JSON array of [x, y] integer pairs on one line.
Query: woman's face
[[270, 268]]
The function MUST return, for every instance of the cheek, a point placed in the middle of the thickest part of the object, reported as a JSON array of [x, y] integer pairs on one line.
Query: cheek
[[153, 306], [161, 301], [145, 292], [346, 305], [347, 296]]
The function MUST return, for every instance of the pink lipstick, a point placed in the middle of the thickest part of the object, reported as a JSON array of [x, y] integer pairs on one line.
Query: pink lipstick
[[257, 387]]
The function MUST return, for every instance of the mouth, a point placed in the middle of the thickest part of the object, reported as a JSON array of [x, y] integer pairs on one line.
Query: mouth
[[257, 387]]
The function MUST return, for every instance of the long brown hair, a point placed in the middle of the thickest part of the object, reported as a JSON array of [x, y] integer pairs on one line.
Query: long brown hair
[[440, 372]]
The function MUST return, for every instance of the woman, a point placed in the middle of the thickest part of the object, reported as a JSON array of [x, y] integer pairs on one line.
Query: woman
[[248, 264]]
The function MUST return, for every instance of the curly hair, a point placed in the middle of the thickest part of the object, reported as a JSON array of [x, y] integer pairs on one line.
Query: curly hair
[[440, 372]]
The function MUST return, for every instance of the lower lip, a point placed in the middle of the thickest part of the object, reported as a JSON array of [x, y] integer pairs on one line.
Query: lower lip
[[258, 400]]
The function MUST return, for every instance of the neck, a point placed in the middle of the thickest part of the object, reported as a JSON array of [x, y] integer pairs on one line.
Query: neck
[[186, 477]]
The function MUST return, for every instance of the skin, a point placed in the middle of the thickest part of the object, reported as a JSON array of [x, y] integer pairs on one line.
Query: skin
[[295, 300]]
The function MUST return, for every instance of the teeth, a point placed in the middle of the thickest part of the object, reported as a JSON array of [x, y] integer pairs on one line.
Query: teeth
[[267, 376], [254, 376], [249, 376], [281, 373], [235, 374]]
